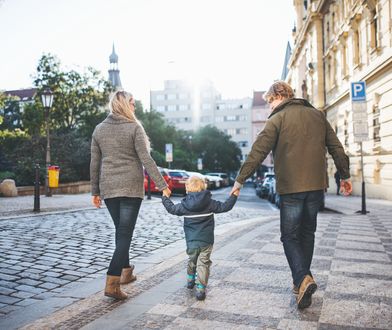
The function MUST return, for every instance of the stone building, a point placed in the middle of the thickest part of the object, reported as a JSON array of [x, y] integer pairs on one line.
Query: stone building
[[343, 41]]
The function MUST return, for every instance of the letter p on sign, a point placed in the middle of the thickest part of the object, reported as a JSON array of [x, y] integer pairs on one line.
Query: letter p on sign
[[358, 91]]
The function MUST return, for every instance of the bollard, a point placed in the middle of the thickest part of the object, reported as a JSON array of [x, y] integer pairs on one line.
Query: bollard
[[148, 187], [36, 189]]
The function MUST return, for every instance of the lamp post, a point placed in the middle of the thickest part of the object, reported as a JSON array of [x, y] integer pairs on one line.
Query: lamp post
[[47, 101]]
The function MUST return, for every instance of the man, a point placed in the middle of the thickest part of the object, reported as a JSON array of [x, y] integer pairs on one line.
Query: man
[[298, 136]]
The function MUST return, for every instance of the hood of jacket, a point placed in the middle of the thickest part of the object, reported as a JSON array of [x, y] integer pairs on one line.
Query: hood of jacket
[[197, 201], [115, 119], [288, 102]]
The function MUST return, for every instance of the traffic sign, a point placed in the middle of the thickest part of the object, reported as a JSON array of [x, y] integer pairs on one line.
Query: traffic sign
[[358, 91], [199, 164], [169, 152]]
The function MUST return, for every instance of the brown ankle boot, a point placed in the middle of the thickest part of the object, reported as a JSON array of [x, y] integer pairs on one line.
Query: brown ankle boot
[[127, 275], [112, 288]]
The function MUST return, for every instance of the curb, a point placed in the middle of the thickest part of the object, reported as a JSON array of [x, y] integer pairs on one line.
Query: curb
[[30, 214]]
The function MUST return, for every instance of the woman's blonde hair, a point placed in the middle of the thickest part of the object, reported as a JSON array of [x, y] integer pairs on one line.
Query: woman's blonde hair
[[120, 104], [195, 184], [279, 89]]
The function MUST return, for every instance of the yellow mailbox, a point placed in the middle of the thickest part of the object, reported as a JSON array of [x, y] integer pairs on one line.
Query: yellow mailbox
[[53, 173]]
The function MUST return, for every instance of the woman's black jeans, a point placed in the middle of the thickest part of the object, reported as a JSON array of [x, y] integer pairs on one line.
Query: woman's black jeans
[[124, 212], [298, 223]]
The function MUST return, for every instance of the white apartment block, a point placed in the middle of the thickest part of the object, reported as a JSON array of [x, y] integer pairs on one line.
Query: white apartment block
[[189, 107]]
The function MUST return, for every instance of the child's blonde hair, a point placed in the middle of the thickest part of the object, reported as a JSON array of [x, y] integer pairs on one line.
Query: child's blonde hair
[[195, 184]]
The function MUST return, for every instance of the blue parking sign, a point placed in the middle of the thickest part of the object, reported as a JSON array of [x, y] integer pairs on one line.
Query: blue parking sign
[[358, 91]]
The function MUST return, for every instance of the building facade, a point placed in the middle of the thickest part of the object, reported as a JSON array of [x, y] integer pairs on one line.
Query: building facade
[[189, 107], [343, 41]]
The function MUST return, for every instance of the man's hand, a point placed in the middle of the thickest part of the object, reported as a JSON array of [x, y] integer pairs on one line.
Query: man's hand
[[346, 187], [97, 202], [166, 192], [235, 191]]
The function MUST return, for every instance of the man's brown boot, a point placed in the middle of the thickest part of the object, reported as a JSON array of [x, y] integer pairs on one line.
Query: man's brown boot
[[112, 288], [306, 289], [127, 275]]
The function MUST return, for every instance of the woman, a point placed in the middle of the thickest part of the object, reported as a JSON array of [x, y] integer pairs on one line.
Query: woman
[[119, 150]]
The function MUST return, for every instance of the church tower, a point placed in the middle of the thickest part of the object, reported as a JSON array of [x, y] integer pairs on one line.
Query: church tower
[[114, 72]]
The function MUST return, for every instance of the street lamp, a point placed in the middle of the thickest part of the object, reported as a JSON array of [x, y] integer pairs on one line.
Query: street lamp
[[47, 100]]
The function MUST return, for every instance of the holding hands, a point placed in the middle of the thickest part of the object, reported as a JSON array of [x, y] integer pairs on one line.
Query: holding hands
[[166, 192]]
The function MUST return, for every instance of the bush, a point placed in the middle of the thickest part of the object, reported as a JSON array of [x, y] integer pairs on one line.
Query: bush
[[7, 175]]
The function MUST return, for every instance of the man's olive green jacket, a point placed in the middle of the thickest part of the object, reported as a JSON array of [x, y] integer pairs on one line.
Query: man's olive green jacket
[[298, 135]]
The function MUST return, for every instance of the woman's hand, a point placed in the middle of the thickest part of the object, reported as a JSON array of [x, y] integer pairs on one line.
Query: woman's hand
[[97, 202], [166, 192]]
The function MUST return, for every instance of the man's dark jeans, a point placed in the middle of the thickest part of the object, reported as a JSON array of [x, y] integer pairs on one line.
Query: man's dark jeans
[[124, 212], [298, 222]]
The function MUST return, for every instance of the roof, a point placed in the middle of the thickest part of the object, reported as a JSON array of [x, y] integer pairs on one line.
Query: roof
[[258, 100], [113, 58], [24, 94]]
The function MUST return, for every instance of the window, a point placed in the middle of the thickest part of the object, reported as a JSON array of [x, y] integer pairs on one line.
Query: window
[[183, 96], [221, 107], [243, 118], [171, 107], [206, 106], [171, 96], [206, 95], [160, 108], [230, 131], [241, 131], [242, 144], [205, 119], [219, 119], [356, 48], [344, 61], [160, 97], [183, 107], [230, 118], [374, 43], [376, 124]]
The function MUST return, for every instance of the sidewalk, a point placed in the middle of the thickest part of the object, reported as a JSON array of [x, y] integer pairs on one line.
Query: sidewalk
[[352, 204], [23, 205], [250, 284]]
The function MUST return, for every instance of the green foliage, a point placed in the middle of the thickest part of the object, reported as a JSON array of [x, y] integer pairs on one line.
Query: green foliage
[[7, 175], [218, 151], [78, 98]]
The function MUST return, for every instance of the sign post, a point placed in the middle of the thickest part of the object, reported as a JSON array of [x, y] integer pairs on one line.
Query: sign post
[[361, 127], [200, 164], [169, 153]]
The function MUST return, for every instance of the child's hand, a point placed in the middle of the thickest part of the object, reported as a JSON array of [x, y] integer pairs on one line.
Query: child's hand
[[166, 192], [236, 192]]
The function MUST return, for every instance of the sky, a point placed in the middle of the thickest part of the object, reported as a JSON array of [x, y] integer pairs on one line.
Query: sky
[[238, 44]]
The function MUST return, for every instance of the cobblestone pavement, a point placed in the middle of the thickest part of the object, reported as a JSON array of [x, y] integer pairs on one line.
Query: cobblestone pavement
[[250, 284], [45, 255]]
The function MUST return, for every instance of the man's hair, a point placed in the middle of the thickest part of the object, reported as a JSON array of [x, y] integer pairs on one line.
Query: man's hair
[[279, 89], [195, 184]]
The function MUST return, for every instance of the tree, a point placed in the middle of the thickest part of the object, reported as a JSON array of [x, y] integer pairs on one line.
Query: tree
[[218, 151], [79, 99]]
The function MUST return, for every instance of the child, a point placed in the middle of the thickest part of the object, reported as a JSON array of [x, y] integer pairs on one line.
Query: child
[[198, 208]]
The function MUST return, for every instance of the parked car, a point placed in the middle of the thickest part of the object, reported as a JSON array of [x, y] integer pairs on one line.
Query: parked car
[[216, 181], [175, 180], [267, 182], [153, 188], [210, 184], [223, 176]]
